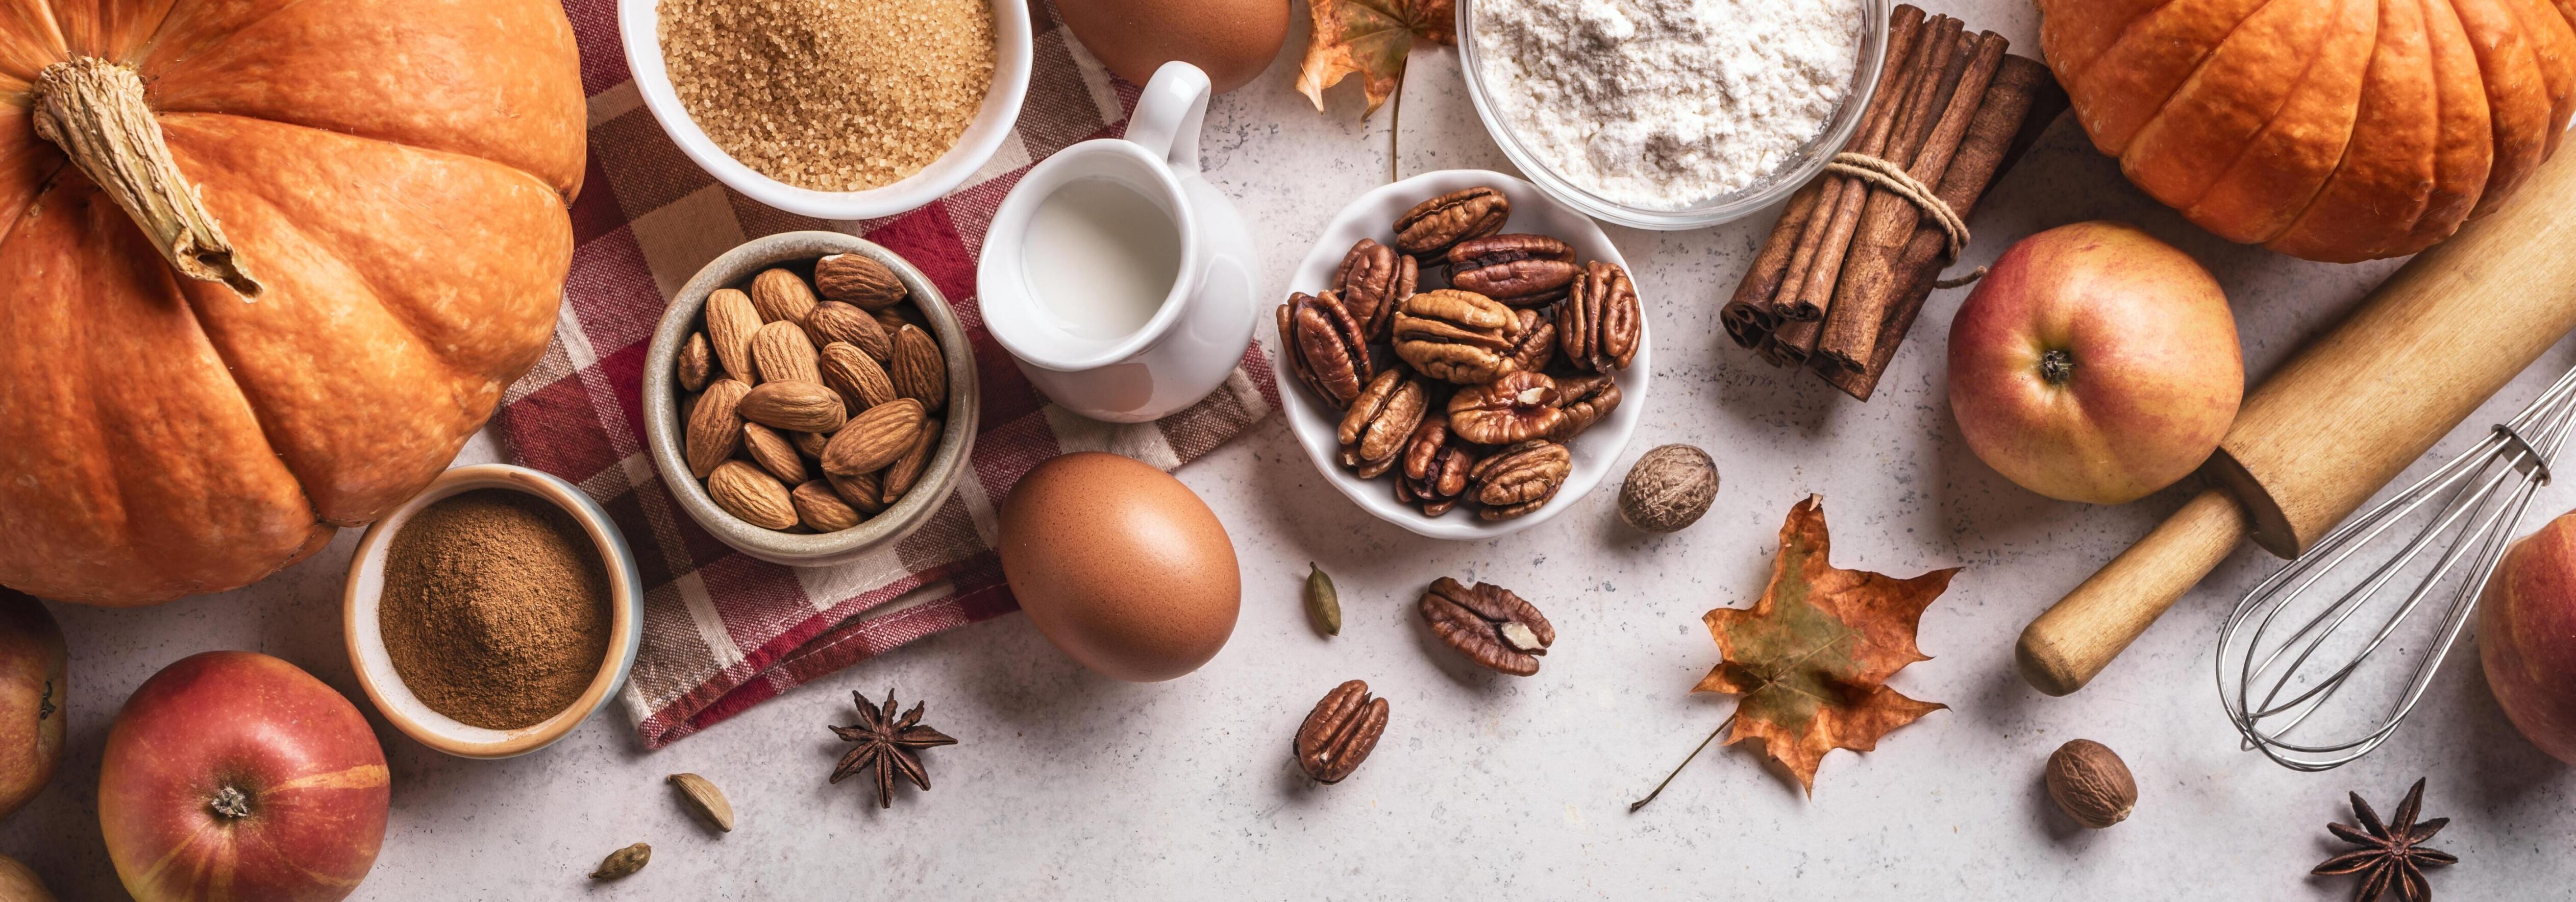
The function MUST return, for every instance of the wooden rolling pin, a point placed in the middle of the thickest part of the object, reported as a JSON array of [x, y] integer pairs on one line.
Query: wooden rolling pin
[[2337, 422]]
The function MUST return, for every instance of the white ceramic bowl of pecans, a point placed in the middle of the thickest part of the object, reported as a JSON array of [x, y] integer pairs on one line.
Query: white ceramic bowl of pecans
[[1317, 421]]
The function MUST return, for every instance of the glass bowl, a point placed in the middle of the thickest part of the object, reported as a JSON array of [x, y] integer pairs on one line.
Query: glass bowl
[[1803, 165]]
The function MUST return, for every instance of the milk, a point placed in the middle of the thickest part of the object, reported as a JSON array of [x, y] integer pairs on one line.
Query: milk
[[1100, 258]]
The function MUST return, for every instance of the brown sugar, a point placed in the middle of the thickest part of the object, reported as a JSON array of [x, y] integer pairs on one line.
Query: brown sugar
[[495, 608]]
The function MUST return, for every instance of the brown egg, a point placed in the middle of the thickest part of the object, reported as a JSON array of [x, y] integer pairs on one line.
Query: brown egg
[[1121, 566], [1232, 39]]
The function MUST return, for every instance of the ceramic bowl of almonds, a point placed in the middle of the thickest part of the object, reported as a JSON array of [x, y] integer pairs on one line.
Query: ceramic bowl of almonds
[[1462, 355], [810, 398]]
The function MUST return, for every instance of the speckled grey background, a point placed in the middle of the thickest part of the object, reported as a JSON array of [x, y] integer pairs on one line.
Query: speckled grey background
[[1068, 785]]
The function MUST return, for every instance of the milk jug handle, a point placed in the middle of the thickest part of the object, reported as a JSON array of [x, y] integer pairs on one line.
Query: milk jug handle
[[1167, 116]]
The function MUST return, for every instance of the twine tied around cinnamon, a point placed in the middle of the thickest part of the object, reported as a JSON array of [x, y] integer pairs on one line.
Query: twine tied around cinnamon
[[1892, 177]]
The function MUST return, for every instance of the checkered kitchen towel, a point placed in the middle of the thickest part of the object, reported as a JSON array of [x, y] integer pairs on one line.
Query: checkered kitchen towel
[[723, 632]]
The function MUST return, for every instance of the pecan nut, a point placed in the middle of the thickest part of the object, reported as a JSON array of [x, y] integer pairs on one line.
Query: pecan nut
[[1340, 733], [1520, 270], [1435, 467], [1599, 324], [1372, 281], [1435, 225], [1515, 408], [1324, 347], [1456, 336], [1537, 345], [1490, 625], [1380, 419], [1585, 400], [1518, 479]]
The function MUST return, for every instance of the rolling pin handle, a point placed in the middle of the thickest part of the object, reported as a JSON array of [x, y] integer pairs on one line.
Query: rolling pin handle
[[2074, 639]]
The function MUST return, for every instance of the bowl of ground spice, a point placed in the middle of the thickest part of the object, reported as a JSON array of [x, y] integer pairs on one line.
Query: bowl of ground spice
[[493, 612], [836, 109]]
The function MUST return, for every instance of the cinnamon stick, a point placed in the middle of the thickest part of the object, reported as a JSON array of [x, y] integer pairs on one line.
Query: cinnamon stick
[[1904, 39], [1747, 316], [1940, 43]]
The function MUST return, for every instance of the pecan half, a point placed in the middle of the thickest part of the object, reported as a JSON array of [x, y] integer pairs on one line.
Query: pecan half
[[1324, 347], [1340, 733], [1372, 281], [1517, 407], [1585, 400], [1537, 345], [1458, 336], [1380, 419], [1518, 479], [1599, 322], [1488, 624], [1435, 467], [1520, 270], [1433, 226]]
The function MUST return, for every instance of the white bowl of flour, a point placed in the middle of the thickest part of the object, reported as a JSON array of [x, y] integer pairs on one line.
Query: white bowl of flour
[[1671, 114]]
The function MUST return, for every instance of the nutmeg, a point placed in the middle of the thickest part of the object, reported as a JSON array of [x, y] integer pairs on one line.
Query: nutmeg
[[1668, 488], [2091, 784]]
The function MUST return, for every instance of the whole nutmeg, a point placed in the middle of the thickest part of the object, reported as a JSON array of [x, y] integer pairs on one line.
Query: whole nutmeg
[[1668, 489], [2091, 784]]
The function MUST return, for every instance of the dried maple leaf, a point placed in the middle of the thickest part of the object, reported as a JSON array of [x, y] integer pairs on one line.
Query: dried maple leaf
[[1811, 658], [1372, 38]]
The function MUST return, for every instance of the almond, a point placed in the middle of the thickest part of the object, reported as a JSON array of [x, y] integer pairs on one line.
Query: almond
[[850, 371], [697, 362], [730, 323], [874, 438], [780, 295], [809, 444], [900, 475], [860, 491], [917, 369], [820, 509], [834, 321], [794, 406], [772, 452], [747, 492], [780, 352], [890, 319], [857, 279], [715, 426]]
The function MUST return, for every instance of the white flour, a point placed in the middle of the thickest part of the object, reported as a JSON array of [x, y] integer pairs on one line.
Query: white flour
[[1666, 103]]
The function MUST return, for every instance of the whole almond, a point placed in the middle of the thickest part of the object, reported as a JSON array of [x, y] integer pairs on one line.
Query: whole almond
[[750, 493], [917, 369], [820, 508], [704, 798], [794, 406], [809, 444], [773, 453], [850, 371], [874, 438], [834, 321], [860, 491], [730, 322], [892, 318], [900, 475], [715, 426], [697, 362], [857, 279], [781, 295], [781, 353]]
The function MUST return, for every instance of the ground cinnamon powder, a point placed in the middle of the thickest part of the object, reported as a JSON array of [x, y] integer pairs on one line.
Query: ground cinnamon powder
[[495, 608]]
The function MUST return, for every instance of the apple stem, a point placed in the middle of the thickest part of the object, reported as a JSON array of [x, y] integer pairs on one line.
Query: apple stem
[[2056, 366], [230, 803]]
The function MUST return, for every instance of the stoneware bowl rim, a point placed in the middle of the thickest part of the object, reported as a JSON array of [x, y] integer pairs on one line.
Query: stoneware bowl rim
[[384, 686], [664, 434]]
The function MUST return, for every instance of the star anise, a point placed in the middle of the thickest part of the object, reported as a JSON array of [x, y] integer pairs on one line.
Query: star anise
[[887, 744], [2391, 854]]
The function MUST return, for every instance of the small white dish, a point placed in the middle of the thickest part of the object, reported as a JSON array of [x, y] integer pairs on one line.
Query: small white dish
[[638, 26], [1533, 211]]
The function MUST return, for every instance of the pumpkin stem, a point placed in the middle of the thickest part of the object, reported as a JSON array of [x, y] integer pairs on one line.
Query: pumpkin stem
[[94, 110]]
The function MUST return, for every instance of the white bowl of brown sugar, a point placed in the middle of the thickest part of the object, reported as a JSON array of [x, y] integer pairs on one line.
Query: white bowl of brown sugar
[[835, 109], [493, 612]]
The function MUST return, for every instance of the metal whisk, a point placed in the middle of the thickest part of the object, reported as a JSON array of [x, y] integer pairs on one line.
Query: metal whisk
[[2301, 638]]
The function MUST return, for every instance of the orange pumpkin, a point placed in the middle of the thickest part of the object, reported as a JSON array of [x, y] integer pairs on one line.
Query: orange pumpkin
[[266, 265], [2336, 130]]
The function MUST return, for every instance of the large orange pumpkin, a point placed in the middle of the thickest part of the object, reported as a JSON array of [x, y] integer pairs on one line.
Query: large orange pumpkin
[[265, 265], [2337, 130]]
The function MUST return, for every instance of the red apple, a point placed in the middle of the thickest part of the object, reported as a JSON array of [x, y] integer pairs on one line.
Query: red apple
[[2527, 636], [32, 687], [234, 775], [18, 883], [2095, 363]]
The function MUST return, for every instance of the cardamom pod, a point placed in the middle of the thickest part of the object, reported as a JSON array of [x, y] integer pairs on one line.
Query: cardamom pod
[[704, 798], [1322, 603], [623, 862]]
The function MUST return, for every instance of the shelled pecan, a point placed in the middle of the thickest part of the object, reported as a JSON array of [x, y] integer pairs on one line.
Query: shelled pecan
[[1433, 226], [1490, 625], [1435, 467], [1324, 347], [1373, 431], [1599, 322], [1520, 270], [1372, 280], [1585, 400], [1516, 407], [1518, 479], [1458, 336], [1536, 346], [1340, 732]]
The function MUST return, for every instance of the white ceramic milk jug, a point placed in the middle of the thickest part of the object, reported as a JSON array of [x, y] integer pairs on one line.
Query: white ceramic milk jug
[[1122, 282]]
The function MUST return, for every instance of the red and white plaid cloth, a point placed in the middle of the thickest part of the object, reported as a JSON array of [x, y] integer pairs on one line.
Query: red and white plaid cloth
[[723, 632]]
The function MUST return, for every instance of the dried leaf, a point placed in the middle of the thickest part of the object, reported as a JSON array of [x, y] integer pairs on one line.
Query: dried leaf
[[1811, 658], [1372, 38]]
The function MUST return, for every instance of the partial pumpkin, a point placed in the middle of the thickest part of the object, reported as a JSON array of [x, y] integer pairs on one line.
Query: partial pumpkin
[[2337, 131], [353, 238]]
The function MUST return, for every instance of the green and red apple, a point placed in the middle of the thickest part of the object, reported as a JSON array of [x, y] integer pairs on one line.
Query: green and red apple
[[2527, 636]]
